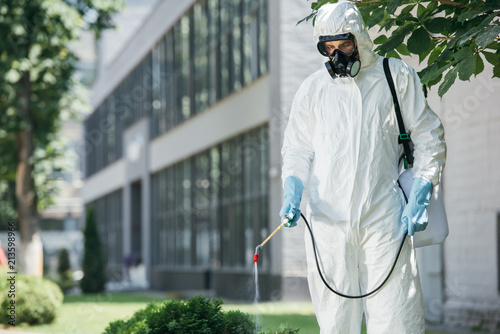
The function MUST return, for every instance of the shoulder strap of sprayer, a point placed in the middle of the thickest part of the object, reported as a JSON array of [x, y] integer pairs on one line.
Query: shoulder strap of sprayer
[[404, 138]]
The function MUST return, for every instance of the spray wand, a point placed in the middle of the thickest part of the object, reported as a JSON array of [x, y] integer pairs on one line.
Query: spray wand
[[259, 247]]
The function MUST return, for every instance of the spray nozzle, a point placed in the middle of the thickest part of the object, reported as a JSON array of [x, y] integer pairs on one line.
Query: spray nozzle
[[259, 247], [256, 255]]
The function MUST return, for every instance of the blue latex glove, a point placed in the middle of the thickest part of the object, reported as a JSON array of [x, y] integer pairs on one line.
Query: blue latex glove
[[415, 217], [293, 194]]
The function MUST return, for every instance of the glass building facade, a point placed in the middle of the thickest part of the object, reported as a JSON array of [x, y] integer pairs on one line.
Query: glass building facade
[[211, 209], [215, 49]]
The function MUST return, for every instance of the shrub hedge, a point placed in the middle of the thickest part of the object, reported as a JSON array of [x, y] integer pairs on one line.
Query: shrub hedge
[[36, 299], [197, 315]]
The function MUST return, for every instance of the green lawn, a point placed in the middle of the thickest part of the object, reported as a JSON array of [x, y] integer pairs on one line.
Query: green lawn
[[91, 314], [272, 315]]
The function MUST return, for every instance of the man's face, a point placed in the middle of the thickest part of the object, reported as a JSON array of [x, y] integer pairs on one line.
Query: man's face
[[344, 45]]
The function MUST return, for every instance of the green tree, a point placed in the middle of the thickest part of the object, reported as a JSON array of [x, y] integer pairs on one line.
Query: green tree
[[64, 270], [36, 71], [455, 37], [94, 277], [63, 263]]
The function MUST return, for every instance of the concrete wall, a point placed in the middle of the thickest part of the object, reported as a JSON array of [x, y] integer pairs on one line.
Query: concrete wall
[[471, 187]]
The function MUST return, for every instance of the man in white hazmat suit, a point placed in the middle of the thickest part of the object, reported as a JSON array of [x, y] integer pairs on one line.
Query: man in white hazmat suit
[[342, 138]]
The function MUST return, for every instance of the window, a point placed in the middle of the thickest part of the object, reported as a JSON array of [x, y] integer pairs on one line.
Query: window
[[108, 213], [211, 209], [201, 209], [200, 56], [216, 48]]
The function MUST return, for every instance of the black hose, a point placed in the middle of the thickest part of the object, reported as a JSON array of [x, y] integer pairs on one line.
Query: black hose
[[328, 285]]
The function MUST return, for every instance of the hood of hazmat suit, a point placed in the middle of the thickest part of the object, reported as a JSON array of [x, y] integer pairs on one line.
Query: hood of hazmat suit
[[341, 141], [343, 18]]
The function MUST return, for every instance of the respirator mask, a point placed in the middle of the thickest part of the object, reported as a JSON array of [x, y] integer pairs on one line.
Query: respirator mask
[[342, 62]]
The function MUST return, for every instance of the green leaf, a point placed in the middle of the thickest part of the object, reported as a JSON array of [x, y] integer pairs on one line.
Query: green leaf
[[407, 10], [448, 9], [376, 17], [393, 54], [462, 53], [392, 6], [402, 20], [435, 81], [424, 12], [466, 36], [424, 54], [496, 71], [479, 64], [307, 18], [470, 30], [431, 8], [380, 39], [435, 54], [466, 68], [419, 41], [420, 11], [481, 9], [448, 81], [487, 20], [395, 39], [488, 35], [403, 49], [447, 55], [492, 58], [470, 14], [387, 23], [438, 25], [494, 45], [433, 72], [367, 9]]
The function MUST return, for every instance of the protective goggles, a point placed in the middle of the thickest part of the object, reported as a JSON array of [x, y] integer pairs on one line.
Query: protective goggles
[[322, 48]]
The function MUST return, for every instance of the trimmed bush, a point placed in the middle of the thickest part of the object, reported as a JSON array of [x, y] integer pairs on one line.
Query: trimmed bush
[[94, 278], [133, 324], [63, 261], [65, 279], [196, 315], [36, 300]]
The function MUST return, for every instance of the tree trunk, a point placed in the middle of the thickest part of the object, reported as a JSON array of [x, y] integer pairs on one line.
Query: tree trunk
[[30, 257]]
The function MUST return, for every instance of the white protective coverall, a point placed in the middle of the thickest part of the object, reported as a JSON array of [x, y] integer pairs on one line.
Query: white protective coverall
[[342, 136]]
